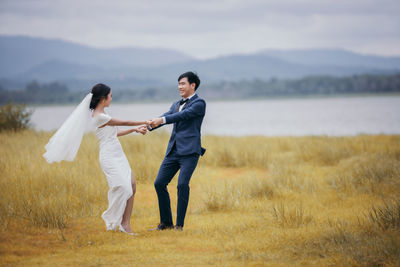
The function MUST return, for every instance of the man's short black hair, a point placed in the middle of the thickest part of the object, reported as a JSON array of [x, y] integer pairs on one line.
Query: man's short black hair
[[192, 78]]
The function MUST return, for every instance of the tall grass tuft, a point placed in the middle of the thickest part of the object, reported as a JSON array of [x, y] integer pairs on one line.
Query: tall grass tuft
[[291, 216], [386, 216], [366, 174], [259, 187], [222, 153], [285, 175], [348, 245], [221, 197], [325, 150]]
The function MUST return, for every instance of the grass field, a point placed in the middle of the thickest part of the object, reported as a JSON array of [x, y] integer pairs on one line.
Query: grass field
[[255, 201]]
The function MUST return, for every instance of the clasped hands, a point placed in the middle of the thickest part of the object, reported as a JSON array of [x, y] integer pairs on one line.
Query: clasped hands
[[149, 124], [153, 123]]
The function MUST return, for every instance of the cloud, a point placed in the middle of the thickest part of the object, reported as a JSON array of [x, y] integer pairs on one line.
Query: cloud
[[209, 28]]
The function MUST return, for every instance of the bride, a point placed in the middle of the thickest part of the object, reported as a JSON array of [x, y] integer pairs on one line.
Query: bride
[[65, 143]]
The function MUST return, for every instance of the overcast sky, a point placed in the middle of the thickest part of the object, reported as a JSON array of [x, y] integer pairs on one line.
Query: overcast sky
[[206, 28]]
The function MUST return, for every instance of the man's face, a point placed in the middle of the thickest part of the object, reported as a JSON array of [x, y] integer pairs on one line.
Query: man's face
[[186, 89]]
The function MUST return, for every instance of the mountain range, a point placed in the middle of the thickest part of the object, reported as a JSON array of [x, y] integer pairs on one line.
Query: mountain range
[[23, 59]]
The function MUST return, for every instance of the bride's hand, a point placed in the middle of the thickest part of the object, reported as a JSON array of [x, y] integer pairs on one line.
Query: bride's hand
[[142, 130]]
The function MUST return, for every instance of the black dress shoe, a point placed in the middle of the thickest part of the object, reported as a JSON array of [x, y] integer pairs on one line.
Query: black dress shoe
[[178, 228], [162, 226]]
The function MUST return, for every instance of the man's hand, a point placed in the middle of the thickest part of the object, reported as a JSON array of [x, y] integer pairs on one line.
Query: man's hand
[[148, 122], [155, 122]]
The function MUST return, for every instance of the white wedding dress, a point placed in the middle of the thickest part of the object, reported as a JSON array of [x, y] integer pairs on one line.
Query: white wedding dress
[[117, 170]]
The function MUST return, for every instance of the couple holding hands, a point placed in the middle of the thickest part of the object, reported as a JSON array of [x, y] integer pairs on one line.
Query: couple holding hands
[[183, 151]]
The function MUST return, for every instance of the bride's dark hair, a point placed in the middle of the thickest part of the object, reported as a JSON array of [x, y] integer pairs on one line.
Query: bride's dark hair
[[99, 91]]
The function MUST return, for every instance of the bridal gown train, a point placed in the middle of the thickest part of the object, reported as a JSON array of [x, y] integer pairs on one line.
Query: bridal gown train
[[117, 170]]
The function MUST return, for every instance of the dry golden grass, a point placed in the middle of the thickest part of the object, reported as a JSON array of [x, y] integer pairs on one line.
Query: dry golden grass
[[279, 201]]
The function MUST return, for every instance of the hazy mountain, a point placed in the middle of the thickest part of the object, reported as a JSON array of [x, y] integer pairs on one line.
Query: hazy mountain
[[24, 59], [335, 57], [79, 77], [19, 54], [240, 67], [228, 68]]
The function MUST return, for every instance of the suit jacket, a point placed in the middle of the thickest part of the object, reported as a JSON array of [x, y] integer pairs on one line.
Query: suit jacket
[[186, 134]]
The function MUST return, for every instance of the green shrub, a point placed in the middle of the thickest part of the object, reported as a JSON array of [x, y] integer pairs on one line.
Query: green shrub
[[14, 117]]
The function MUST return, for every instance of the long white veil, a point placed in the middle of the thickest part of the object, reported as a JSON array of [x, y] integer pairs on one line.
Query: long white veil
[[64, 144]]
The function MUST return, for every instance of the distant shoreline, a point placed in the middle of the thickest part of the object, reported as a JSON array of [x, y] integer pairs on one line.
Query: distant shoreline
[[233, 99]]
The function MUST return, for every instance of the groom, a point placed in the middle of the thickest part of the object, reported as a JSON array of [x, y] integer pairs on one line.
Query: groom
[[184, 149]]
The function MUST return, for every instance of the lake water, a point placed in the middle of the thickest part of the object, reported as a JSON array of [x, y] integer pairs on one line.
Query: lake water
[[335, 116]]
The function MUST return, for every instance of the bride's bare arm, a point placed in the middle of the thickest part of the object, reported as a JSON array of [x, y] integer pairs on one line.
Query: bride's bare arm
[[117, 122], [142, 130]]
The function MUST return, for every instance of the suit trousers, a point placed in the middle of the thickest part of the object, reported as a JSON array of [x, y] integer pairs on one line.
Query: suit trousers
[[169, 167]]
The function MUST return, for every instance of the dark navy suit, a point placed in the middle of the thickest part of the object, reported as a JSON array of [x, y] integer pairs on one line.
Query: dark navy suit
[[184, 149]]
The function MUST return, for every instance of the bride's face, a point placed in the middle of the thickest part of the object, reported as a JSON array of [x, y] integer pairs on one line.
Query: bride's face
[[108, 100]]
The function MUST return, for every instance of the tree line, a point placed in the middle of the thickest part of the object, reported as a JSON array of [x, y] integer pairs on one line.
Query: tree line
[[313, 85], [57, 92], [39, 93]]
